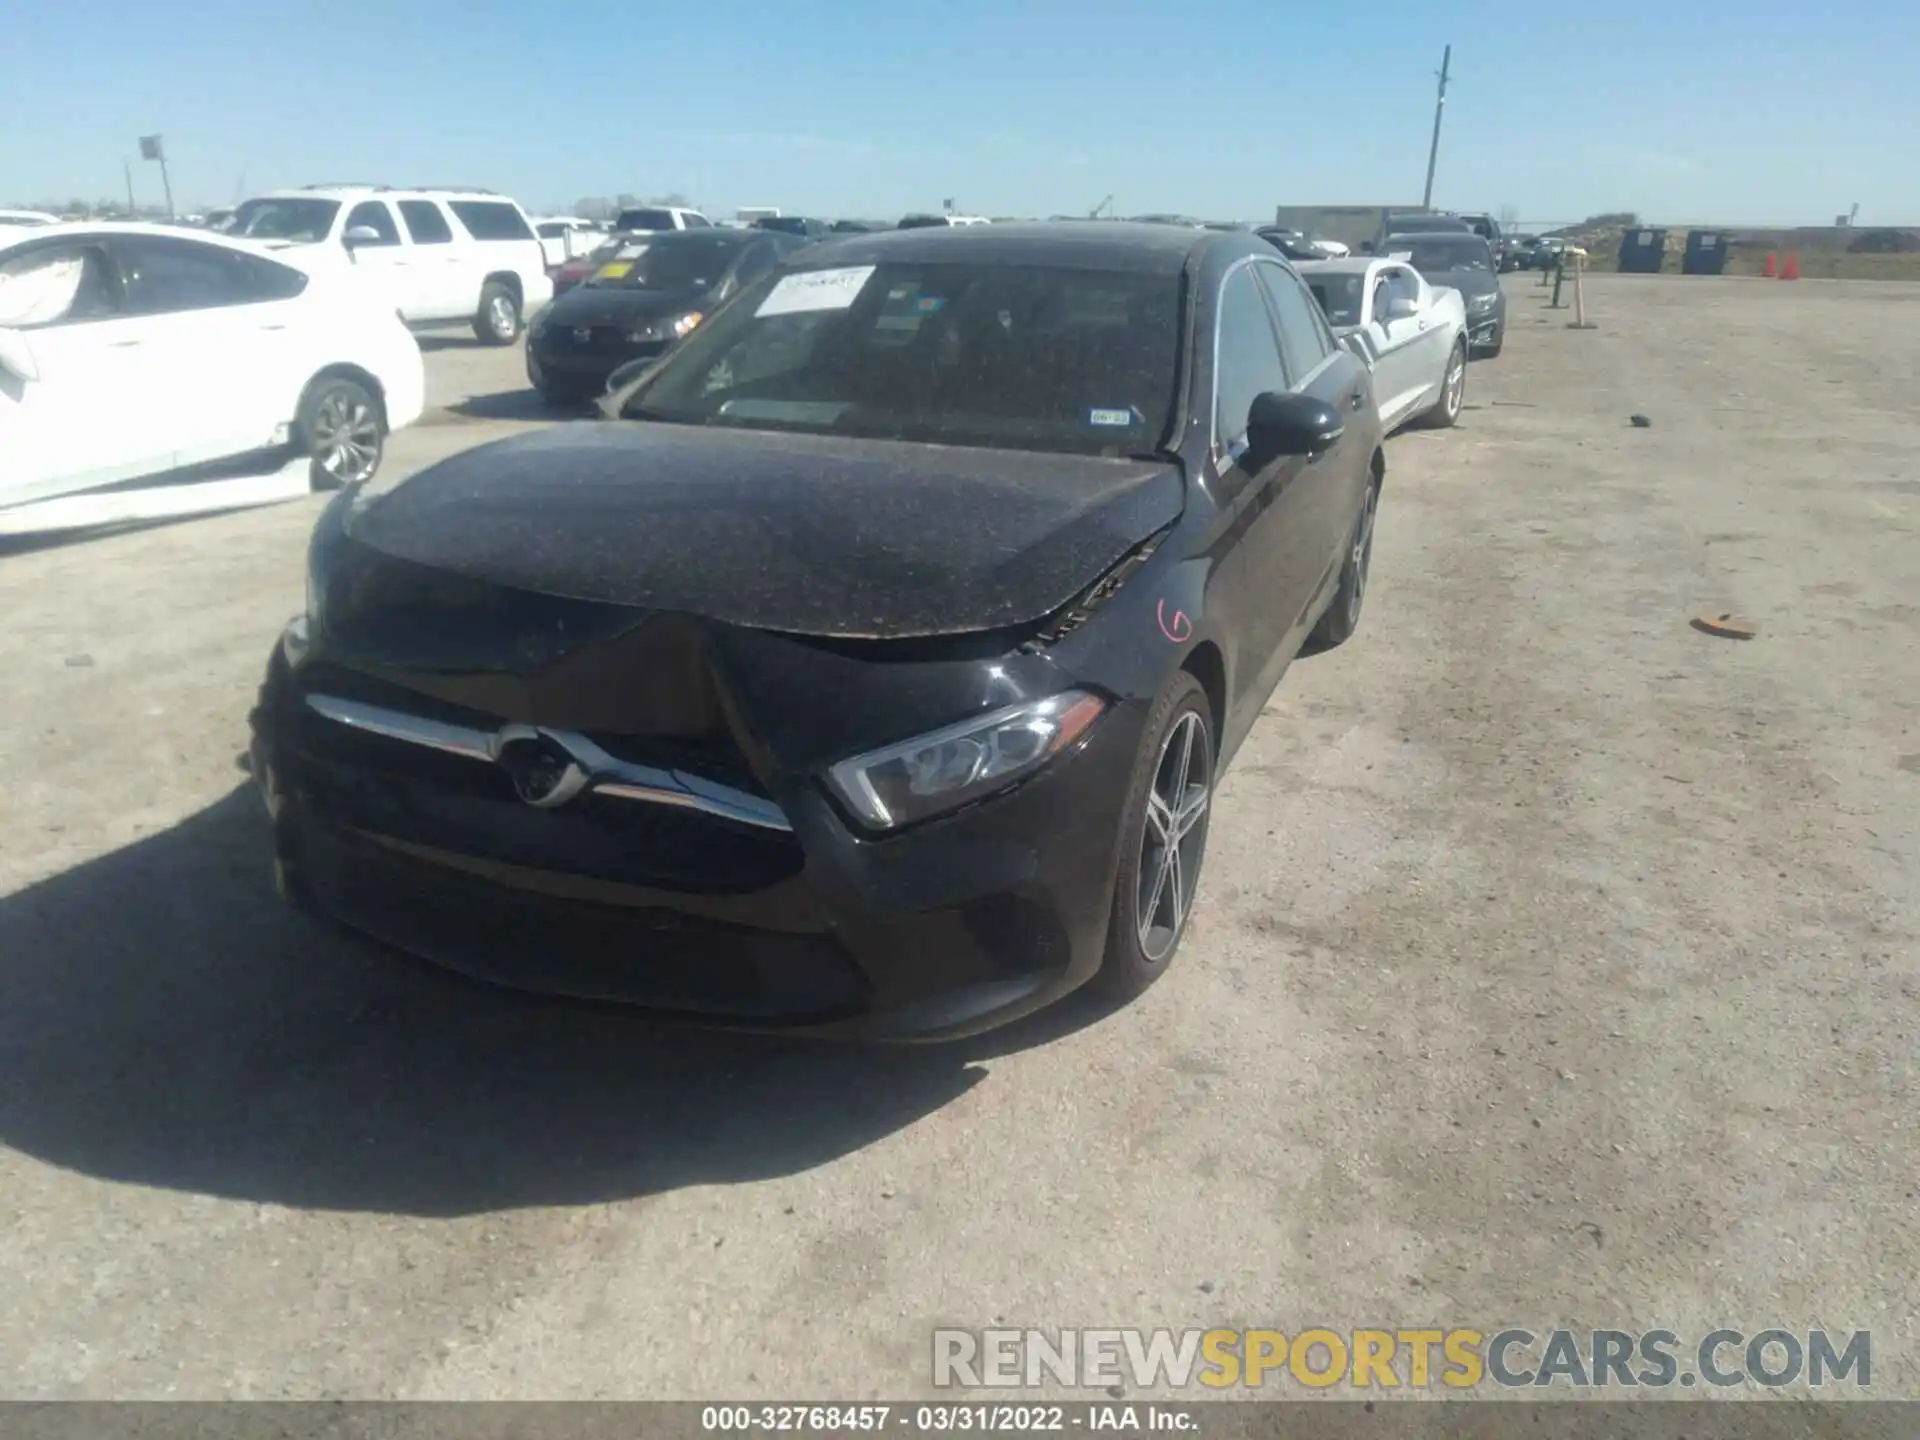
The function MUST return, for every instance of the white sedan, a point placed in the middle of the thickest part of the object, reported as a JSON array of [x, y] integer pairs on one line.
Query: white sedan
[[1412, 335], [135, 356]]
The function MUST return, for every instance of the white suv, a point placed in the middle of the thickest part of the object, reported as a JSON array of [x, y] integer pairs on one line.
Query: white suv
[[653, 219], [444, 256]]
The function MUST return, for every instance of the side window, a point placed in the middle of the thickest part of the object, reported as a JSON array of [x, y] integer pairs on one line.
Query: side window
[[375, 216], [65, 284], [262, 280], [167, 276], [1303, 330], [491, 219], [425, 224], [1249, 356], [694, 220]]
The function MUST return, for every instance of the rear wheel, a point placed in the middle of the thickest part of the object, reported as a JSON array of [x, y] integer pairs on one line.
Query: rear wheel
[[1164, 830], [498, 320], [343, 431], [1336, 627], [1453, 390]]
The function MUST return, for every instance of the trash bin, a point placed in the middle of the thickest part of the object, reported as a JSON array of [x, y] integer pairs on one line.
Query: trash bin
[[1706, 253], [1641, 252]]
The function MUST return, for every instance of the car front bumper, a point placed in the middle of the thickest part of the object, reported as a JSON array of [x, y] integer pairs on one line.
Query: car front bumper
[[954, 926], [565, 370]]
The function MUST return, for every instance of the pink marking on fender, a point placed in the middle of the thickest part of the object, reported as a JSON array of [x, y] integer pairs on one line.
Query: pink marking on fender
[[1175, 627]]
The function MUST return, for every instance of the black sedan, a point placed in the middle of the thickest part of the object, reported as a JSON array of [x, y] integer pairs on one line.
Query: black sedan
[[874, 673], [1464, 263], [801, 225], [648, 295]]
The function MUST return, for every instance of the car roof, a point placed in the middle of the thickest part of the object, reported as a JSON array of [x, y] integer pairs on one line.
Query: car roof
[[1436, 235], [1349, 265], [1115, 245], [390, 192]]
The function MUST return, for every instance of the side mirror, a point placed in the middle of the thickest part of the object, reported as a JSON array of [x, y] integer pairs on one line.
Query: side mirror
[[1284, 423], [1400, 307], [360, 235], [16, 356]]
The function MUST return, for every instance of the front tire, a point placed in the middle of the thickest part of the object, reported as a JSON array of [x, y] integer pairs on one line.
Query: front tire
[[498, 319], [1163, 839], [1453, 391], [343, 430], [1342, 618]]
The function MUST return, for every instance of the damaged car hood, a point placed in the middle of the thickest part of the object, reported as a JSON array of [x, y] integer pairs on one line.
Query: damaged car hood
[[805, 534]]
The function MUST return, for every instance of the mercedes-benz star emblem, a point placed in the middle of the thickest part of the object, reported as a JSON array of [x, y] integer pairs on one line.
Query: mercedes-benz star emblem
[[544, 774]]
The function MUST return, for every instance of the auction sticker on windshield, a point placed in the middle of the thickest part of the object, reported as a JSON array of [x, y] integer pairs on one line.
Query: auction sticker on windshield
[[816, 290]]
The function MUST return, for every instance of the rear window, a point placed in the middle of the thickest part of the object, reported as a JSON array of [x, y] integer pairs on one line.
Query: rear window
[[491, 219], [1440, 254], [645, 220]]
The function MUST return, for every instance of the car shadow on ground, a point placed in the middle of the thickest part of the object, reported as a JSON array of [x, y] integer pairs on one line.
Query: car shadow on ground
[[465, 340], [527, 404], [165, 1020]]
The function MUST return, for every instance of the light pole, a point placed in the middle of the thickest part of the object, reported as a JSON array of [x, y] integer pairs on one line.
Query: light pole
[[1439, 110]]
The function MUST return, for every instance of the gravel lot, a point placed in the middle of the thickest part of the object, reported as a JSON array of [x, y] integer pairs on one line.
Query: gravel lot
[[1556, 963]]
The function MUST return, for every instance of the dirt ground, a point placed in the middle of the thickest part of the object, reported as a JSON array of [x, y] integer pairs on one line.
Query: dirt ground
[[1556, 963]]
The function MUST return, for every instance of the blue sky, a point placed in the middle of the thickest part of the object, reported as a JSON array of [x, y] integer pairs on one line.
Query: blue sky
[[1765, 112]]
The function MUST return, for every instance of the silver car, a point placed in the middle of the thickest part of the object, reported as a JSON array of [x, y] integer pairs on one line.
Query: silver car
[[1412, 335]]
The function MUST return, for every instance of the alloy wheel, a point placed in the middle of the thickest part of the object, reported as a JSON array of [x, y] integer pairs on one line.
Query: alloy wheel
[[345, 437], [1362, 556], [1174, 835], [500, 316], [1456, 381]]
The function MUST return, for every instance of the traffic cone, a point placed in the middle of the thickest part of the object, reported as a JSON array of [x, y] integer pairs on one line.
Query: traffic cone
[[1771, 270], [1791, 270]]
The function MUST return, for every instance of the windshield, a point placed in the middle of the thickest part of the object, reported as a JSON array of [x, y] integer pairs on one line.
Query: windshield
[[644, 220], [1447, 253], [1011, 357], [286, 218], [684, 260], [786, 224], [1339, 296]]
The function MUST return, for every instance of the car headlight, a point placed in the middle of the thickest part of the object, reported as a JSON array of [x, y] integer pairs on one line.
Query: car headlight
[[677, 328], [916, 778], [295, 640], [1480, 304]]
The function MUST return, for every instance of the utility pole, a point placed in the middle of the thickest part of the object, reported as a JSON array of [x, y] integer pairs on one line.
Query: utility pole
[[127, 165], [1439, 110]]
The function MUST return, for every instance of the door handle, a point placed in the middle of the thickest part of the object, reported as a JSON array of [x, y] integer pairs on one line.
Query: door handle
[[122, 344], [273, 327]]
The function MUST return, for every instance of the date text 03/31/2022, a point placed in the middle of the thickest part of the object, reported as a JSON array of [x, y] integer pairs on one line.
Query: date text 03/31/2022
[[945, 1419]]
